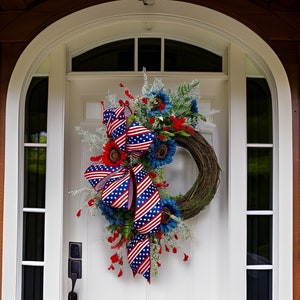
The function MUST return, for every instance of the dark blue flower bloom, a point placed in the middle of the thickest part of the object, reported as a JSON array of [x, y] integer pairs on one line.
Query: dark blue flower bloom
[[160, 103], [194, 106], [161, 152], [110, 214], [169, 208]]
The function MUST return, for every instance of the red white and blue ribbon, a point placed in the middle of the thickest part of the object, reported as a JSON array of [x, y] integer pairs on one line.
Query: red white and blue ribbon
[[121, 183]]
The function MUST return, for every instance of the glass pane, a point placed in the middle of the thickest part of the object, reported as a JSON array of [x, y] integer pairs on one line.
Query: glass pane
[[36, 110], [259, 240], [185, 57], [259, 285], [259, 111], [32, 285], [115, 56], [33, 237], [149, 54], [35, 177], [259, 178]]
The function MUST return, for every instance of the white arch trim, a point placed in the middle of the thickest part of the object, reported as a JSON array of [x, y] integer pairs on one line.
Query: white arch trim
[[70, 28]]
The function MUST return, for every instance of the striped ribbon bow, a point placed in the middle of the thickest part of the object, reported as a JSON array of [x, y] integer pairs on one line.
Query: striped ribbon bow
[[120, 184]]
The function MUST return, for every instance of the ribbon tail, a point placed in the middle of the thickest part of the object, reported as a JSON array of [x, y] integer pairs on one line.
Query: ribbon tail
[[147, 219], [148, 210], [139, 256]]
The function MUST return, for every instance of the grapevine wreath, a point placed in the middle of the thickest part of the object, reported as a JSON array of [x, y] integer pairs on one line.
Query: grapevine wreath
[[127, 178]]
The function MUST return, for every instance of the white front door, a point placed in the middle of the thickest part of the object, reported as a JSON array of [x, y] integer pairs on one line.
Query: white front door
[[206, 268]]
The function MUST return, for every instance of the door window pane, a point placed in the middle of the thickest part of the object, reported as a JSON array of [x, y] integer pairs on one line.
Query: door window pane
[[259, 285], [260, 178], [32, 285], [259, 111], [115, 56], [36, 109], [34, 177], [149, 54], [181, 56], [259, 240], [33, 237]]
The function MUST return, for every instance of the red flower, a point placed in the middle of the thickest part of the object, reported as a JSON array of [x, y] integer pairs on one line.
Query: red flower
[[186, 257], [161, 137], [162, 106], [145, 100], [152, 120], [189, 129], [159, 235], [95, 158], [78, 214], [114, 258], [91, 202], [174, 250], [176, 236], [119, 244], [120, 273], [167, 248], [116, 233], [112, 155], [160, 250], [162, 185], [158, 263], [177, 123], [110, 239], [111, 267], [152, 174], [128, 94]]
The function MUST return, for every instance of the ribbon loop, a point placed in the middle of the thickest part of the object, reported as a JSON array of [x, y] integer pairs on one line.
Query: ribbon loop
[[114, 183]]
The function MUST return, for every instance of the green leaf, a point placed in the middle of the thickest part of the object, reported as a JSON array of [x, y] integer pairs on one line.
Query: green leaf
[[130, 119], [185, 88], [183, 133], [168, 133]]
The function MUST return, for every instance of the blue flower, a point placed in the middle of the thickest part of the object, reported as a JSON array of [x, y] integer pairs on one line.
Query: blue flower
[[194, 106], [161, 152], [110, 214], [169, 208], [160, 103]]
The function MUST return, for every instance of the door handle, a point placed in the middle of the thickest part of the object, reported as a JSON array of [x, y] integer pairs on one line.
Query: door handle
[[74, 266], [72, 295]]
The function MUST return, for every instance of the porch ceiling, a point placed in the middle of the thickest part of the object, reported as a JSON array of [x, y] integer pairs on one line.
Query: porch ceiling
[[274, 20]]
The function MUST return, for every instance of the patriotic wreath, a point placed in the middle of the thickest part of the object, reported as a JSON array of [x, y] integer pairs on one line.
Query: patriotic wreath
[[127, 177]]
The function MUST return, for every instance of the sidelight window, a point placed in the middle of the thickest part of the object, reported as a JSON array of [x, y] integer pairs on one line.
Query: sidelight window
[[259, 190], [35, 149]]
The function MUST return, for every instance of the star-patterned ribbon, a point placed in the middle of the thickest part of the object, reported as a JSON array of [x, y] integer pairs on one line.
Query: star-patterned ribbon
[[120, 184]]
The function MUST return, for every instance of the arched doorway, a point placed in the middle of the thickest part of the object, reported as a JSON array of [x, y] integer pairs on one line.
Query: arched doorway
[[218, 250]]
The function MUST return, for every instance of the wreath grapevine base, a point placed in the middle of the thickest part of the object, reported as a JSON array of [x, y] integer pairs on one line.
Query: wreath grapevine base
[[205, 186], [139, 137]]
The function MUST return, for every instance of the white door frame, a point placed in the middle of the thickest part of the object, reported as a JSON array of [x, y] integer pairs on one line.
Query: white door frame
[[68, 31]]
